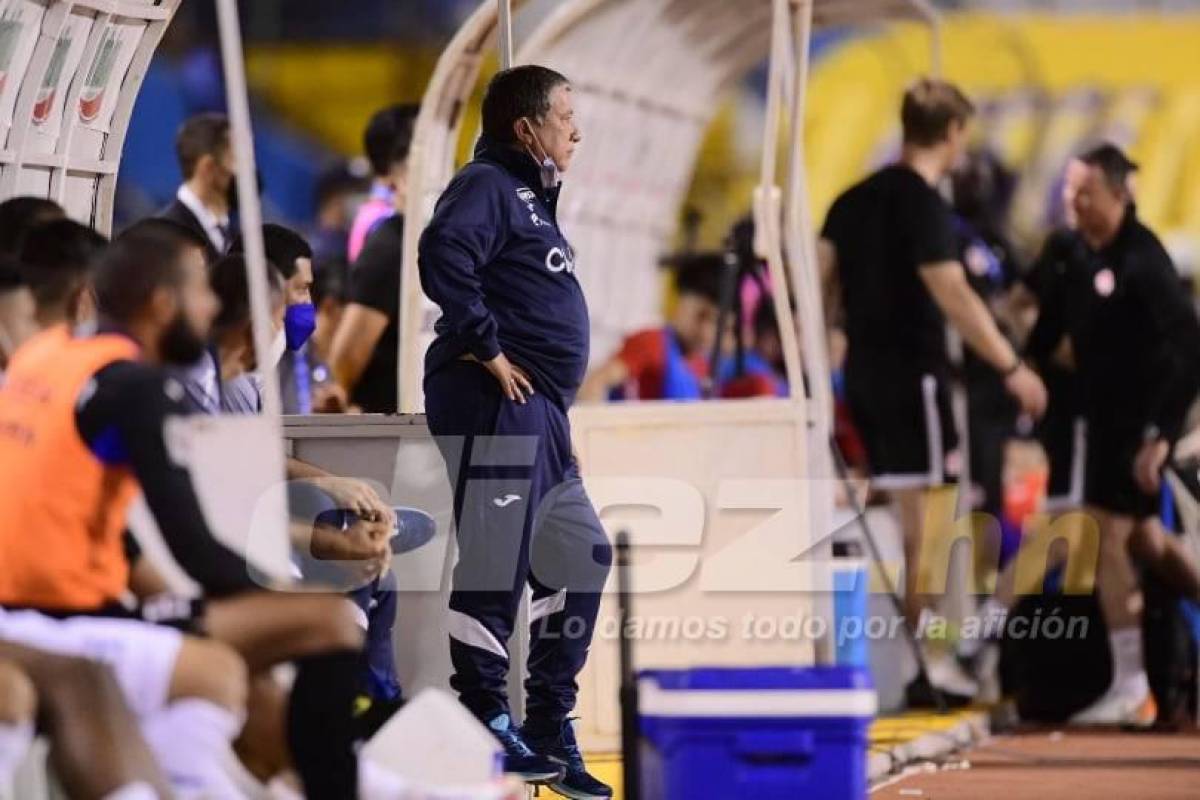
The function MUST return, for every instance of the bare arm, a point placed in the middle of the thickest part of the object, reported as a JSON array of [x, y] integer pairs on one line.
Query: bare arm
[[357, 335], [600, 381], [831, 288], [145, 580], [947, 283]]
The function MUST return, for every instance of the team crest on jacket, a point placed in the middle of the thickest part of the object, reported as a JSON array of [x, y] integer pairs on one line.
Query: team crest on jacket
[[527, 196], [1105, 282]]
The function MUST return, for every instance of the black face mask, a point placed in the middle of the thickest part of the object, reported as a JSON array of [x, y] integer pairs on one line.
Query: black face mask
[[179, 345]]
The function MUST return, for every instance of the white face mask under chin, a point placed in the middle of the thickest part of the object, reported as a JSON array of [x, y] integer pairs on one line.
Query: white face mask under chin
[[551, 177]]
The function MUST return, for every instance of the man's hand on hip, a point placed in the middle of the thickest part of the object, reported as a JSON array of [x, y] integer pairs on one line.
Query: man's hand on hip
[[513, 381]]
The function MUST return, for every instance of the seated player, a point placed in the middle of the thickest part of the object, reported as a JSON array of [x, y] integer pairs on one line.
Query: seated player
[[19, 214], [329, 296], [84, 428], [353, 555], [293, 258], [57, 258], [172, 682], [671, 362], [18, 312]]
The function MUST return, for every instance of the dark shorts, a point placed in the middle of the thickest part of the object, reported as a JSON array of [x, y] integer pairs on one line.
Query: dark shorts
[[1063, 435], [1109, 485], [906, 424]]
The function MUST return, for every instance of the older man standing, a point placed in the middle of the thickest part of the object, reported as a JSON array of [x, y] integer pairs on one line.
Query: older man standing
[[1135, 341], [510, 355]]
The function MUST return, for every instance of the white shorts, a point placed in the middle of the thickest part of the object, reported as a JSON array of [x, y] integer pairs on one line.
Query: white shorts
[[141, 655]]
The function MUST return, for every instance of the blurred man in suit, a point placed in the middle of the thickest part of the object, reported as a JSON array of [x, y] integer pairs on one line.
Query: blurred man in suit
[[206, 197]]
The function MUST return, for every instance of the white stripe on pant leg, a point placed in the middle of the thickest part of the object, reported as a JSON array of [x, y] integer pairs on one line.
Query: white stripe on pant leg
[[933, 431], [471, 632], [1078, 461], [1073, 499], [551, 604], [894, 481]]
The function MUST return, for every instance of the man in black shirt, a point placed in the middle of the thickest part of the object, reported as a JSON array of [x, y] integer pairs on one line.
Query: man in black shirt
[[367, 343], [890, 243], [366, 346], [1135, 342]]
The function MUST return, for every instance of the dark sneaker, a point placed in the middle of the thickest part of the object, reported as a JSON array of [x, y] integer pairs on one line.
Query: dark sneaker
[[414, 529], [556, 741], [519, 759]]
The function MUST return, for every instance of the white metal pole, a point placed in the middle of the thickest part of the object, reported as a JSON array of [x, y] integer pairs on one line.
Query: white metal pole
[[242, 141], [505, 25], [801, 246], [767, 210]]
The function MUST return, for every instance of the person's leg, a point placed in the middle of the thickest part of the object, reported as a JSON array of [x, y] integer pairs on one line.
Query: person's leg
[[1128, 698], [1116, 579], [95, 745], [382, 683], [262, 746], [571, 558], [489, 579], [1069, 539], [909, 505], [492, 448], [1167, 555], [18, 705], [379, 685], [321, 635], [206, 707], [187, 694]]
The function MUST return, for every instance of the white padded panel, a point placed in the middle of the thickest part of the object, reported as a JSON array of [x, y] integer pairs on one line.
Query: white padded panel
[[68, 94]]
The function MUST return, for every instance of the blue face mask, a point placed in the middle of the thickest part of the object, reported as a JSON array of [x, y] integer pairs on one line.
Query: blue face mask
[[299, 322]]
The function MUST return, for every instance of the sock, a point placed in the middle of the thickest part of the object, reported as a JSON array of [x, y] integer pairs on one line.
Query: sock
[[15, 740], [990, 617], [133, 791], [190, 739], [320, 725], [1126, 647]]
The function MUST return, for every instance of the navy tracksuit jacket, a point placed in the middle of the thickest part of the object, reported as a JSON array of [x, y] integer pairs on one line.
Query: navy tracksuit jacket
[[495, 262]]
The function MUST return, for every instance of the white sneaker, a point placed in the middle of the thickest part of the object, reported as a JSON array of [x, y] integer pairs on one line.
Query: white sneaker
[[1129, 704], [948, 675]]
